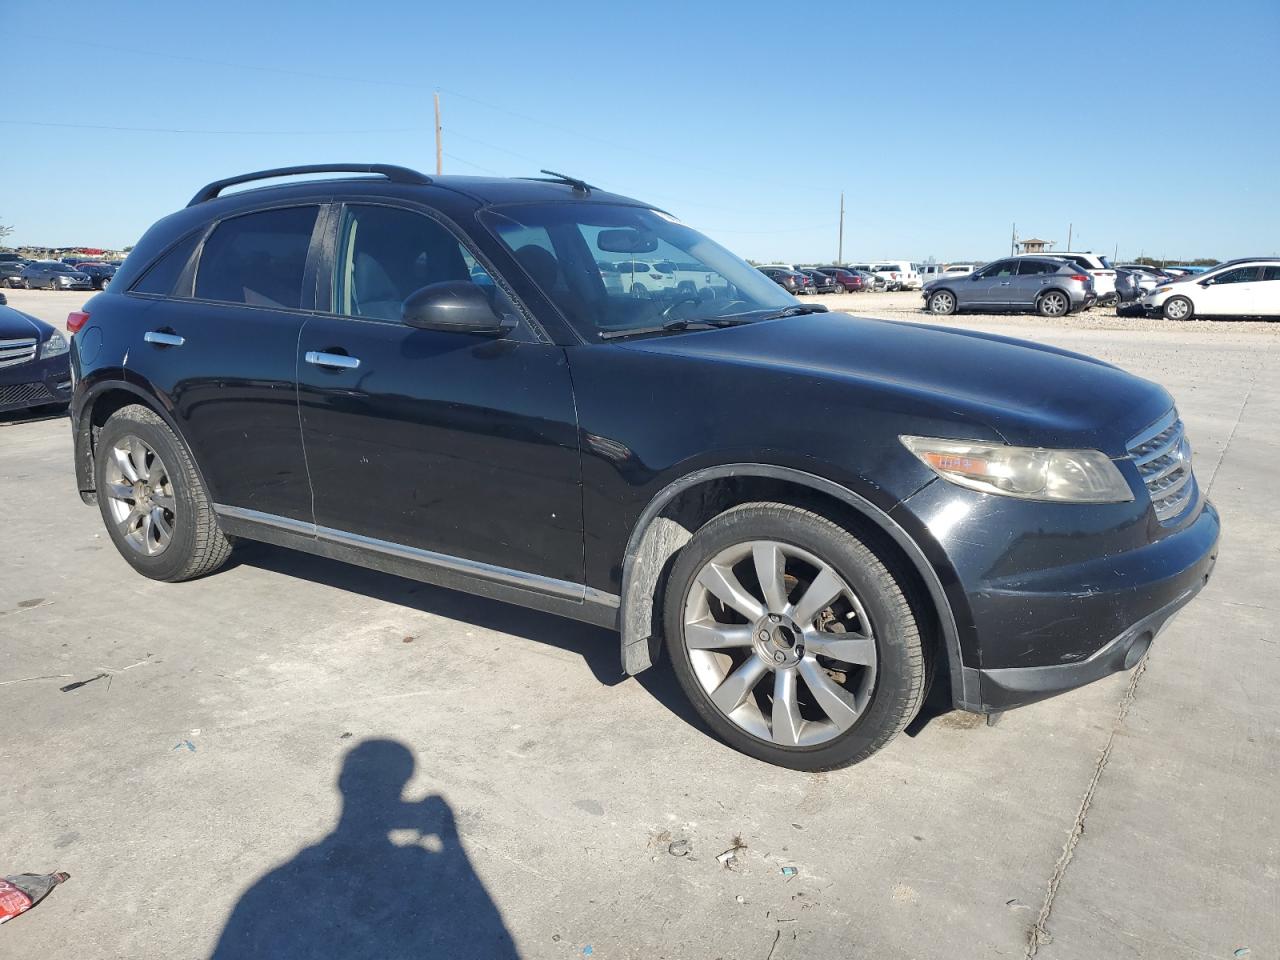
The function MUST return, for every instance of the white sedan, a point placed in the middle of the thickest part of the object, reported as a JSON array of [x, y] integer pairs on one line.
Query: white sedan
[[1237, 288]]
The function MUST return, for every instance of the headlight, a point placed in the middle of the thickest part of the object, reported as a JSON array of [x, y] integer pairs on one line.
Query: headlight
[[1029, 473], [55, 346]]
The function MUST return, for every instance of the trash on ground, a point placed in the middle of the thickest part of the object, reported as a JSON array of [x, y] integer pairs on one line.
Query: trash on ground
[[185, 743], [1241, 952], [789, 871], [678, 848], [729, 859], [21, 892]]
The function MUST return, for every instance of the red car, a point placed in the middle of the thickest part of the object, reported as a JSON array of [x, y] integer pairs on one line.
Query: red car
[[849, 281]]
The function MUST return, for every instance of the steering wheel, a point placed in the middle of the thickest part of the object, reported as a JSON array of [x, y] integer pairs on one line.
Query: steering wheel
[[680, 298]]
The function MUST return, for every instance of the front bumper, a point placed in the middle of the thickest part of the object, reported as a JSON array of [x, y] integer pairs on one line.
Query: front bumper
[[1049, 597], [35, 384]]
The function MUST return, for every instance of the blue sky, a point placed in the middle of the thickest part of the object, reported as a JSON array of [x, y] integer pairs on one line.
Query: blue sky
[[1149, 126]]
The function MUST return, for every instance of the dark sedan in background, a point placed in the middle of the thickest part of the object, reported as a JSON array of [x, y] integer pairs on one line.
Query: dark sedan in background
[[850, 281], [51, 275], [99, 273], [34, 367], [11, 265], [822, 283], [792, 281]]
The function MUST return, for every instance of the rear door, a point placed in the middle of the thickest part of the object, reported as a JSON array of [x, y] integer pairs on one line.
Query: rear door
[[1033, 276], [442, 447], [221, 341], [1268, 298]]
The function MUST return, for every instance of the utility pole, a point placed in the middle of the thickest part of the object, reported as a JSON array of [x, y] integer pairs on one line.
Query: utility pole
[[1069, 226], [840, 246], [1013, 241], [439, 145]]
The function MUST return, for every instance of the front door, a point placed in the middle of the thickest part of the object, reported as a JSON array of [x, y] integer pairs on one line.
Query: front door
[[1230, 293], [461, 446], [1000, 280]]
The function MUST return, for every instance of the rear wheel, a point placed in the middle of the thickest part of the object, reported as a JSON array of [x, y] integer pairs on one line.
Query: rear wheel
[[792, 638], [1178, 308], [1053, 303], [943, 302], [154, 505]]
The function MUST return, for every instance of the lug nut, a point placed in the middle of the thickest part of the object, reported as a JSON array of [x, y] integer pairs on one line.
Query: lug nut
[[779, 657]]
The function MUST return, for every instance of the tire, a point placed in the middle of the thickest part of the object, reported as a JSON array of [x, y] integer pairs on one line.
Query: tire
[[53, 284], [1053, 304], [832, 711], [1178, 308], [135, 440], [942, 302]]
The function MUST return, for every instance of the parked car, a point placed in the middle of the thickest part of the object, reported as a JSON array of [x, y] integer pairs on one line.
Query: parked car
[[1051, 286], [850, 281], [793, 281], [1237, 288], [11, 265], [51, 275], [1128, 286], [1100, 268], [1148, 277], [99, 273], [821, 282], [635, 464], [872, 281], [641, 277], [959, 269], [899, 274], [34, 369]]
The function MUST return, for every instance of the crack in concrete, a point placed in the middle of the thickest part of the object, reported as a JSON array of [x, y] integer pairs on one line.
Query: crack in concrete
[[1039, 933]]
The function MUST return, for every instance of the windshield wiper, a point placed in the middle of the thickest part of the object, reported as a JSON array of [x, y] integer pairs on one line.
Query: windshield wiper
[[797, 310], [672, 326]]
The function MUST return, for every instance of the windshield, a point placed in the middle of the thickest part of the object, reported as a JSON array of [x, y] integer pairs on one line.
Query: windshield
[[583, 257]]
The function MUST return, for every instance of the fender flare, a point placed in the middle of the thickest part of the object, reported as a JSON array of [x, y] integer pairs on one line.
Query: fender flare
[[635, 623], [83, 423]]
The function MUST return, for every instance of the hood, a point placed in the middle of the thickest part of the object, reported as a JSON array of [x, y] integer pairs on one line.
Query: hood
[[15, 325], [1027, 393]]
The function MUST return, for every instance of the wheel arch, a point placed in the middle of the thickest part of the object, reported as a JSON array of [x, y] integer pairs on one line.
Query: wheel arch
[[101, 401], [681, 507]]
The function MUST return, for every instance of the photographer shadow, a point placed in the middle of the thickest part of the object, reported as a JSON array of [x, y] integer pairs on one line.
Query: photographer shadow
[[356, 894]]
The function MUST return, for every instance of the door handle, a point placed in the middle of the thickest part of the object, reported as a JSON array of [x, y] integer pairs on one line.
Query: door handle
[[160, 338], [337, 360]]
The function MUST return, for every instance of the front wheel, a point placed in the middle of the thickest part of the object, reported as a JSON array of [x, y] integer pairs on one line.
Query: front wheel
[[942, 303], [792, 638], [152, 500], [1053, 304], [1178, 308]]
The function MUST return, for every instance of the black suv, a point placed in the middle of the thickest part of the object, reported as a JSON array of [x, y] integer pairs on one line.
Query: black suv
[[815, 513]]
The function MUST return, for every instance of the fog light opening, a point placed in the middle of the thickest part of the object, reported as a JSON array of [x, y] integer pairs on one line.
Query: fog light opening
[[1137, 650]]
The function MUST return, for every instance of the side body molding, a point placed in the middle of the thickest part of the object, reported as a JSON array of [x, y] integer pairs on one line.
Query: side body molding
[[655, 537]]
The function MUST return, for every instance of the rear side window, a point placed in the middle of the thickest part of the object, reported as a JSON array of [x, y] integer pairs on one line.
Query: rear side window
[[1271, 273], [257, 259], [1029, 268], [162, 276]]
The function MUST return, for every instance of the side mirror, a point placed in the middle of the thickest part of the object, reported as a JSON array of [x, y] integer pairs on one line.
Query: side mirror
[[454, 306]]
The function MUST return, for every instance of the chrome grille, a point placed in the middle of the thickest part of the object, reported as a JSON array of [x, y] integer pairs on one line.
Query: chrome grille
[[1162, 455], [14, 352]]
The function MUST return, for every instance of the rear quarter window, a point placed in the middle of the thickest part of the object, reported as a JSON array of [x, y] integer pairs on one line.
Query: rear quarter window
[[162, 276]]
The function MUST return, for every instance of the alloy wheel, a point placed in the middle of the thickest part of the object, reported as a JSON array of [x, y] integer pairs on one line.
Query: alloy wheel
[[1177, 309], [780, 643], [943, 302], [140, 495], [1055, 304]]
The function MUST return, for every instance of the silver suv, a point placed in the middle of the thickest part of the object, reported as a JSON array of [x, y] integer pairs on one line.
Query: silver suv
[[1051, 286]]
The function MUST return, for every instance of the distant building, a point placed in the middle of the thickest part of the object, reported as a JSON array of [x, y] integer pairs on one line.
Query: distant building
[[1033, 245]]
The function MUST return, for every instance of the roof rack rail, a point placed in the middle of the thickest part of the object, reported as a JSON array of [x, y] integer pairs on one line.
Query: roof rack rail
[[390, 171]]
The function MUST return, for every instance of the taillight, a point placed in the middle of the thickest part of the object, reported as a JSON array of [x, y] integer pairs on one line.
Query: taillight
[[76, 321], [1079, 276]]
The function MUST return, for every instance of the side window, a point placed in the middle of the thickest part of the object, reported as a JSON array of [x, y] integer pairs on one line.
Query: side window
[[1238, 275], [1003, 268], [1271, 273], [162, 276], [385, 254], [1031, 268], [257, 258]]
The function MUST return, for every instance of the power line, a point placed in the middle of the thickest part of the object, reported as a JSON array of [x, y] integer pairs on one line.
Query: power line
[[247, 133]]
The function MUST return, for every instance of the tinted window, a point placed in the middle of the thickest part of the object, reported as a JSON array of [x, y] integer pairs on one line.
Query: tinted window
[[1030, 268], [1001, 268], [1271, 273], [1238, 275], [258, 258], [164, 273], [385, 254]]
